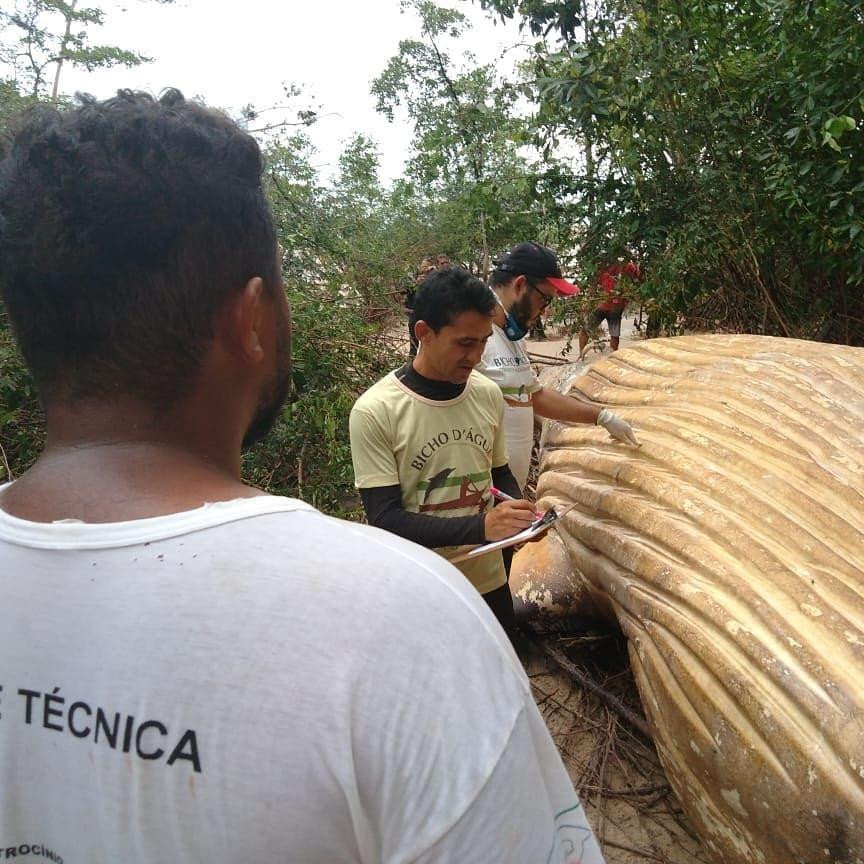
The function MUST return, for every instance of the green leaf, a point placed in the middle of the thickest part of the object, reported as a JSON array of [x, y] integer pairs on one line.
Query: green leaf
[[838, 172], [831, 141], [836, 126]]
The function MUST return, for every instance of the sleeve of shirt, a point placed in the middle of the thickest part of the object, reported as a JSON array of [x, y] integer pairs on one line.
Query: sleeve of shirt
[[371, 450], [504, 480], [457, 763], [526, 811], [499, 445], [383, 506]]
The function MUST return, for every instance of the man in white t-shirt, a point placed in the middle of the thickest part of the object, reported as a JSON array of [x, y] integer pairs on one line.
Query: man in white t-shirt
[[193, 670], [525, 281]]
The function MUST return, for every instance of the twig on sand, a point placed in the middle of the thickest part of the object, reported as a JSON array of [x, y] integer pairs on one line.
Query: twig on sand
[[548, 358], [644, 853], [588, 683]]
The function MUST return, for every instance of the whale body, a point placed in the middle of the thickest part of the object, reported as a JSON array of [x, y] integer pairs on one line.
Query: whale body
[[729, 549]]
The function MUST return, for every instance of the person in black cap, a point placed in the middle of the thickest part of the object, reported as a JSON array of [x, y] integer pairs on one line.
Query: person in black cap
[[524, 282]]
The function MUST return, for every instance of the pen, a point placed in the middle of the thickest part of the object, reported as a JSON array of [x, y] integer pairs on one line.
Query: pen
[[498, 495]]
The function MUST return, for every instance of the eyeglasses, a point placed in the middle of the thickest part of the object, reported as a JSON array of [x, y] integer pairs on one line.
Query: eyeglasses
[[547, 299]]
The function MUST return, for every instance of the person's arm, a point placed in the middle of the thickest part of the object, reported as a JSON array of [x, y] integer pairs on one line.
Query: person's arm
[[556, 406], [553, 405], [503, 479], [444, 699], [383, 506]]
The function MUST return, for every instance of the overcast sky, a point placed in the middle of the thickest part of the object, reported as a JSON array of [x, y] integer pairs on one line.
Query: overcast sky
[[240, 52]]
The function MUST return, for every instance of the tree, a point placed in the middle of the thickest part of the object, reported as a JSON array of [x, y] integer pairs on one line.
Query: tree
[[44, 35], [338, 263], [728, 151], [470, 153]]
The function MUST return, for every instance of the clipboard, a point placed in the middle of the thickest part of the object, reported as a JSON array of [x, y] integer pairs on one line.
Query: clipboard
[[535, 529]]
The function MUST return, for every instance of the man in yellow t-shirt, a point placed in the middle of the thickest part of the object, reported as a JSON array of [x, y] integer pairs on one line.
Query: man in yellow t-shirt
[[427, 439]]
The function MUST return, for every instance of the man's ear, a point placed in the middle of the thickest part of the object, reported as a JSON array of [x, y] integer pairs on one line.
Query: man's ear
[[241, 324], [422, 330], [520, 286]]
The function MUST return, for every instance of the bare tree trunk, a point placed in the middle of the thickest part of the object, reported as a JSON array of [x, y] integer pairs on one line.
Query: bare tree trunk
[[62, 50], [590, 170], [484, 266]]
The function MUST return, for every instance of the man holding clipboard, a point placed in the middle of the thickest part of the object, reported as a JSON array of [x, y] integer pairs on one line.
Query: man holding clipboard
[[427, 440]]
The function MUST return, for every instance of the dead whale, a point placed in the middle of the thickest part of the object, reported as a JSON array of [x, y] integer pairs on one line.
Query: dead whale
[[730, 551]]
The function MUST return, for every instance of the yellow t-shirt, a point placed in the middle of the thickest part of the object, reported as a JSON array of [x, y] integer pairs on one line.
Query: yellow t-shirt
[[440, 453]]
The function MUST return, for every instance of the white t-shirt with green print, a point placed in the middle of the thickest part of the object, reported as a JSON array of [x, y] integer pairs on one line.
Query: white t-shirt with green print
[[507, 364]]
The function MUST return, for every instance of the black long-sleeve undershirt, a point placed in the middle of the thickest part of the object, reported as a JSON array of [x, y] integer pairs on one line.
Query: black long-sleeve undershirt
[[383, 504]]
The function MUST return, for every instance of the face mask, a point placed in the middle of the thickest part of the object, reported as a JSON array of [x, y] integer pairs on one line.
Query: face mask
[[512, 329]]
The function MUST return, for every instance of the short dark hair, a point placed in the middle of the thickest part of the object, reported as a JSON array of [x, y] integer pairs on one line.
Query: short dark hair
[[124, 226], [501, 277], [446, 294]]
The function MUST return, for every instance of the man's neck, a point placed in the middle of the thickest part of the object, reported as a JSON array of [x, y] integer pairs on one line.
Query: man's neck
[[102, 465], [499, 316], [421, 367]]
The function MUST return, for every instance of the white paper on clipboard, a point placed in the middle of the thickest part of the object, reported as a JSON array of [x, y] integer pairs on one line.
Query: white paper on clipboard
[[534, 530]]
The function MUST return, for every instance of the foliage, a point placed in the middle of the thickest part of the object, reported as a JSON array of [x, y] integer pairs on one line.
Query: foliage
[[41, 35], [470, 164], [343, 265], [21, 421], [722, 145]]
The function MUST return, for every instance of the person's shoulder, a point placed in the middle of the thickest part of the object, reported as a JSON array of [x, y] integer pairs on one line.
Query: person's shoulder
[[379, 391], [497, 340], [484, 388], [391, 582], [495, 344], [481, 383]]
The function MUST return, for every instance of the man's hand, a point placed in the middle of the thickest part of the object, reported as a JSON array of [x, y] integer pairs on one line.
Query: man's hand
[[508, 518], [617, 428]]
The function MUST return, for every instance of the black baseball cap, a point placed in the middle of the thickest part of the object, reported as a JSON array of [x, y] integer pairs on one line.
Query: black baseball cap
[[532, 259]]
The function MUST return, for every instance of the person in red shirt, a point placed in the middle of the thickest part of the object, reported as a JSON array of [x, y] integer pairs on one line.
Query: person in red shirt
[[613, 282]]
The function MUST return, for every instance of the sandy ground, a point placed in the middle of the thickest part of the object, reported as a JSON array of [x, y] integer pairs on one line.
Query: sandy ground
[[555, 346]]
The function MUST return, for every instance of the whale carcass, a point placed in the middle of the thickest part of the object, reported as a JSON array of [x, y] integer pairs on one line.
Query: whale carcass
[[729, 548]]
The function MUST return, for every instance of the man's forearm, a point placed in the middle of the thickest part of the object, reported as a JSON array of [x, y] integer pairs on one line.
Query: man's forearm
[[556, 406], [434, 531], [384, 510]]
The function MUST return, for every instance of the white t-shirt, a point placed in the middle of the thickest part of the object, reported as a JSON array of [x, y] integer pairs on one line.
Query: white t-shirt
[[252, 682], [507, 364]]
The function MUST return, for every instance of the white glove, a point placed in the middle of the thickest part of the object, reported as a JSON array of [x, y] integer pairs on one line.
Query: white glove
[[617, 428]]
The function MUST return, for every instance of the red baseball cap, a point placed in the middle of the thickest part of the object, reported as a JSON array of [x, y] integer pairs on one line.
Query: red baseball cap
[[532, 259]]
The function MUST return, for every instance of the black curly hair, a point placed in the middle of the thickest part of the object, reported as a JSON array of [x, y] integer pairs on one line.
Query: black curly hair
[[124, 226]]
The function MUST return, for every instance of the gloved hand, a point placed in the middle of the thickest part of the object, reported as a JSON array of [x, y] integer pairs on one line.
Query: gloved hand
[[617, 428]]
